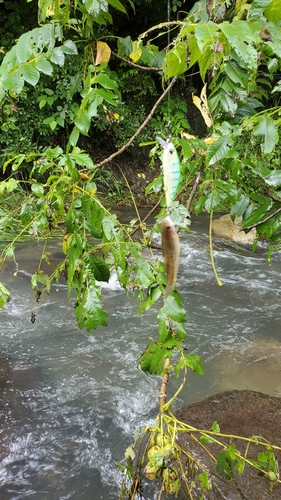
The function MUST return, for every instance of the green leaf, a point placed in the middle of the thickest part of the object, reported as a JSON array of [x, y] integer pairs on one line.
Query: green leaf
[[153, 358], [241, 39], [206, 34], [4, 295], [153, 294], [117, 5], [37, 189], [258, 214], [194, 362], [29, 73], [57, 56], [89, 313], [267, 127], [240, 207], [74, 252], [83, 122], [44, 66], [124, 46], [82, 159], [273, 11], [105, 81], [74, 136], [218, 150], [106, 95], [9, 186], [97, 267], [23, 47], [274, 178], [174, 310], [69, 47], [213, 200], [175, 61]]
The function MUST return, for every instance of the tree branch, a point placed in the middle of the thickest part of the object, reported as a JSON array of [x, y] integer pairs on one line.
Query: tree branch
[[162, 394], [261, 221], [143, 125], [134, 65]]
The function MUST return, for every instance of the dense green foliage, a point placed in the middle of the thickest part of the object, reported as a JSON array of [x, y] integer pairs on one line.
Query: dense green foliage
[[74, 85]]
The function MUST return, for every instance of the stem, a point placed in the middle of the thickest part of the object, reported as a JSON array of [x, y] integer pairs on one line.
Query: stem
[[143, 125], [162, 395], [134, 65], [220, 283]]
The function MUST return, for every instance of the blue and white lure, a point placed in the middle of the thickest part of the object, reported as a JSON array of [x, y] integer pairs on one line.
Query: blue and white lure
[[171, 170]]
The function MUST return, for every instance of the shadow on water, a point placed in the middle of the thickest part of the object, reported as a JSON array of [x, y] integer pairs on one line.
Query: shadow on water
[[70, 403]]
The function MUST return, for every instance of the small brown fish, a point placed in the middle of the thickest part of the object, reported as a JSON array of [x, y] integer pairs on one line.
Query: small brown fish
[[171, 252]]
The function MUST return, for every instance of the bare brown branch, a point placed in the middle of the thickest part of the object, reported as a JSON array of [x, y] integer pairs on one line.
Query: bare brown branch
[[134, 65], [143, 125]]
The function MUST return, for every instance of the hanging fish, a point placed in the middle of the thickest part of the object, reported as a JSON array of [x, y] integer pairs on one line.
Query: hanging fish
[[171, 170], [171, 252]]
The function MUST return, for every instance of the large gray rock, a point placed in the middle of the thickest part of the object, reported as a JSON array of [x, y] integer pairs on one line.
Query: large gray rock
[[242, 413]]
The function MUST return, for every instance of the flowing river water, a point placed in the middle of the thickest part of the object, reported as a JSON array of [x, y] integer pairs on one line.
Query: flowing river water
[[71, 403]]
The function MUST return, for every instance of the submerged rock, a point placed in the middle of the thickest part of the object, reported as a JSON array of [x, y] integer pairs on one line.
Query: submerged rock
[[239, 413], [224, 227]]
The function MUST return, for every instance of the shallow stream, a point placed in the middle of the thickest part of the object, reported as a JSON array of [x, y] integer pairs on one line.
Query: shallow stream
[[71, 403]]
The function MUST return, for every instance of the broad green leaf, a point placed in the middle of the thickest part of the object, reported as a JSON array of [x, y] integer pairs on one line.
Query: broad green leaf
[[153, 359], [107, 96], [236, 74], [109, 227], [43, 279], [274, 178], [82, 159], [270, 227], [217, 150], [206, 34], [194, 362], [13, 82], [194, 50], [273, 11], [105, 81], [29, 73], [241, 39], [175, 60], [174, 310], [37, 189], [57, 56], [267, 127], [69, 47], [44, 66], [8, 186], [124, 46], [23, 47], [83, 122], [89, 312], [74, 136], [258, 214], [240, 207], [97, 267], [214, 200], [153, 294], [117, 5]]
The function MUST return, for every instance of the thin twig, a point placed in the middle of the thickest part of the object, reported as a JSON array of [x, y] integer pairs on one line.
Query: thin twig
[[193, 190], [134, 65], [261, 221], [143, 125]]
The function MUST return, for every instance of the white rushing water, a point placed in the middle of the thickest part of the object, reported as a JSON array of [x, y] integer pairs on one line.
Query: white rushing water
[[71, 403]]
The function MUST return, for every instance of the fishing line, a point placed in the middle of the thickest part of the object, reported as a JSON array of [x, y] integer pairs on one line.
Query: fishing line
[[168, 44]]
